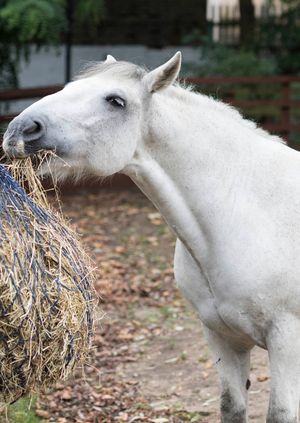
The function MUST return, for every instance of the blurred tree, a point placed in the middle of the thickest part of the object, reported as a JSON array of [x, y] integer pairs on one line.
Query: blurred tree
[[23, 22], [216, 59], [80, 14], [39, 22], [269, 44], [281, 36]]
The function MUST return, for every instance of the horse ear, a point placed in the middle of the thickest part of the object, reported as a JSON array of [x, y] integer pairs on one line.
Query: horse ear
[[164, 75], [110, 59]]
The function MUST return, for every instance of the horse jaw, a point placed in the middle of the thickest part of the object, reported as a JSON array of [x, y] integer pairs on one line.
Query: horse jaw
[[59, 169]]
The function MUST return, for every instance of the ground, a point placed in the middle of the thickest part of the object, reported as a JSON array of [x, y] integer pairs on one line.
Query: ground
[[150, 362]]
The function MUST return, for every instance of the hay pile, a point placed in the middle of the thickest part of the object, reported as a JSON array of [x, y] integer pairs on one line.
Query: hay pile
[[46, 290]]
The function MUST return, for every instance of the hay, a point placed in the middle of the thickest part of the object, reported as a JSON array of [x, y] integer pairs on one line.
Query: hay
[[46, 289]]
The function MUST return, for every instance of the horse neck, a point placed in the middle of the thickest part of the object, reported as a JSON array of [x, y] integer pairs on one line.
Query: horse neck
[[193, 160], [194, 145], [188, 129]]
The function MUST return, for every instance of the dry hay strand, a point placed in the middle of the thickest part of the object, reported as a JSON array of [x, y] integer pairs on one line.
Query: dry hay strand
[[46, 289]]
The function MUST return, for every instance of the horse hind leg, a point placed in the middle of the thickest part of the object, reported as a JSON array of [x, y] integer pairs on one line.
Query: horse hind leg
[[283, 343], [233, 366]]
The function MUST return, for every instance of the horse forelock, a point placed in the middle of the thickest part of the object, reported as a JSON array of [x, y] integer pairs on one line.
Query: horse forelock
[[119, 69]]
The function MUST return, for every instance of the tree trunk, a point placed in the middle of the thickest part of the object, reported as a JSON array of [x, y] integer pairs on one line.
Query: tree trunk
[[247, 22]]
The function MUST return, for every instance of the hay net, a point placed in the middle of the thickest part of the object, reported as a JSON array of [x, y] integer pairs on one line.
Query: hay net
[[46, 293]]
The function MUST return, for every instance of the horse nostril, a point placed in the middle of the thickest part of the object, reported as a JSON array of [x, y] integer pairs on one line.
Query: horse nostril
[[33, 130]]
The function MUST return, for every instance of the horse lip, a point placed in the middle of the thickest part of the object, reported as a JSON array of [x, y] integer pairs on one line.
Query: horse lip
[[14, 148], [36, 147]]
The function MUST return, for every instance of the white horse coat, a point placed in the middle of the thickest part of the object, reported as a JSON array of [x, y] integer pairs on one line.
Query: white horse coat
[[229, 191]]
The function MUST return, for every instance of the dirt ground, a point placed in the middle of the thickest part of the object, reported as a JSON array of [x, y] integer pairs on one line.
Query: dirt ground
[[150, 362]]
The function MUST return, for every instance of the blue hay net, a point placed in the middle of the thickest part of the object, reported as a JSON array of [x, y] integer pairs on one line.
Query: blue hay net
[[22, 218]]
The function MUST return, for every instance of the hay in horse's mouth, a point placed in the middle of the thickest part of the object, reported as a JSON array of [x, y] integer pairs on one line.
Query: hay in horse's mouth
[[31, 169]]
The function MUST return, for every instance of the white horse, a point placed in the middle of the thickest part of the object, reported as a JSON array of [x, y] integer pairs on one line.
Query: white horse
[[229, 190]]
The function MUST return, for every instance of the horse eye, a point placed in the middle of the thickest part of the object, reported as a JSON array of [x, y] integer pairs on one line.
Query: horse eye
[[116, 101]]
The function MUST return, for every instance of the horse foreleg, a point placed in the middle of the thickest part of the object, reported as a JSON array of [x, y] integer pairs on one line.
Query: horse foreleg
[[283, 344], [233, 366]]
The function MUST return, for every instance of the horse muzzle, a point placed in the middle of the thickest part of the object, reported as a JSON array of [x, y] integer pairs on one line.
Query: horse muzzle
[[23, 137]]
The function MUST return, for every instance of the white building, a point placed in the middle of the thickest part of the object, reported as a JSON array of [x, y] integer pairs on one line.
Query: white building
[[215, 8], [229, 10]]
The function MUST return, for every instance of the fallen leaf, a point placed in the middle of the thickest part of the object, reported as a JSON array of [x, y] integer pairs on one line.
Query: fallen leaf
[[66, 394], [42, 413]]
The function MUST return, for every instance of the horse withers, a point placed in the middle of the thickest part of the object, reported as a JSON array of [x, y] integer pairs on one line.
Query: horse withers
[[229, 190]]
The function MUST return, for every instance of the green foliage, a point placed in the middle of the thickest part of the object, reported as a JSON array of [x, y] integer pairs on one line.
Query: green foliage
[[23, 411], [281, 36], [38, 21], [8, 69], [219, 60], [91, 11]]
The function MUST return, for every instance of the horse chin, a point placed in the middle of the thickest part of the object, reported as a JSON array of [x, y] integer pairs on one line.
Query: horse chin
[[54, 167], [59, 169]]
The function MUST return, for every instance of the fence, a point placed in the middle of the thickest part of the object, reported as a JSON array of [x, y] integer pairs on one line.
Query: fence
[[273, 101], [8, 96]]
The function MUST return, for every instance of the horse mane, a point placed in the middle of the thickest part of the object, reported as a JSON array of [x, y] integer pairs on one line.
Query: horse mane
[[226, 109], [119, 68], [130, 70], [233, 112]]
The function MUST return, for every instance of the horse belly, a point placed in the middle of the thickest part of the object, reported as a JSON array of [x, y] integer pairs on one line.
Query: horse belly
[[238, 307]]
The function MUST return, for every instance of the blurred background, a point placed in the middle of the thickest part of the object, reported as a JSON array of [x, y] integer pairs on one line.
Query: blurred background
[[251, 46], [150, 362]]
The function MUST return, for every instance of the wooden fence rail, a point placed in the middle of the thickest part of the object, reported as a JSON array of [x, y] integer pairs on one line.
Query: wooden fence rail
[[7, 96], [282, 97]]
